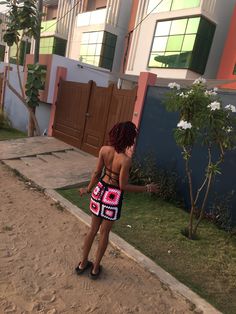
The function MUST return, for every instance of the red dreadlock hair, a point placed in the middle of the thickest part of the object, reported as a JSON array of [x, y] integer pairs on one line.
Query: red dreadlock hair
[[122, 136]]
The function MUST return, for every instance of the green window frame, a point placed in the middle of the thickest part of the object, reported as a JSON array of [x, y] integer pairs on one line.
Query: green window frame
[[98, 48], [182, 43], [53, 45], [171, 5]]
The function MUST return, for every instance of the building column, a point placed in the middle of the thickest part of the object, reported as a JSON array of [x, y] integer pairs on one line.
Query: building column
[[60, 75], [145, 79]]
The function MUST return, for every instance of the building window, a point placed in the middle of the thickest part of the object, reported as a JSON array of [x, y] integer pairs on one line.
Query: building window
[[172, 5], [98, 48], [2, 52], [182, 43], [53, 45]]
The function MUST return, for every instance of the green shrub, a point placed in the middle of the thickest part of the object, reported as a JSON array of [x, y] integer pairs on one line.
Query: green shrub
[[147, 171], [220, 212]]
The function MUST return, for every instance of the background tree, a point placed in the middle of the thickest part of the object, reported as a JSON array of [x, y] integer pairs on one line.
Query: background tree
[[204, 121], [23, 22]]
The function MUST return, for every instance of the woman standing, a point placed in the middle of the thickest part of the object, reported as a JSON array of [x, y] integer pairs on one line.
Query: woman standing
[[111, 180]]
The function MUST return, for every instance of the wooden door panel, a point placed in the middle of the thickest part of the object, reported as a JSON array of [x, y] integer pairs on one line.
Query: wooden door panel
[[71, 107], [96, 120], [121, 108]]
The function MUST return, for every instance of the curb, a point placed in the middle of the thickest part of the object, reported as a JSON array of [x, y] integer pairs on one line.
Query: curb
[[201, 306]]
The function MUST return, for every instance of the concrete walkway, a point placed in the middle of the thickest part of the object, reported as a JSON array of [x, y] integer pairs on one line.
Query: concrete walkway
[[48, 162]]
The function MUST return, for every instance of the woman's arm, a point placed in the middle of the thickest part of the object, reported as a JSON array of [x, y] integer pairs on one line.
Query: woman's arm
[[95, 176], [124, 178]]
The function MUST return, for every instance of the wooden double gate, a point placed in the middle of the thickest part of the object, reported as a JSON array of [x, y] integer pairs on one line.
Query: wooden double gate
[[86, 112]]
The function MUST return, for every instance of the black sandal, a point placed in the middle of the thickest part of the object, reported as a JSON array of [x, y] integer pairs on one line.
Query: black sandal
[[80, 271], [95, 276]]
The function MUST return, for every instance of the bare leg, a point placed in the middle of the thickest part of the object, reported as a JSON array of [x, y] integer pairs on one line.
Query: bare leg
[[105, 229], [95, 224]]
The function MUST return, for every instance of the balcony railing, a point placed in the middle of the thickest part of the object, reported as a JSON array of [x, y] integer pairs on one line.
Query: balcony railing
[[92, 17]]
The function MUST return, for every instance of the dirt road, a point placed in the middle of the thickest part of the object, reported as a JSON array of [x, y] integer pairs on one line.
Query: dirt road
[[40, 245]]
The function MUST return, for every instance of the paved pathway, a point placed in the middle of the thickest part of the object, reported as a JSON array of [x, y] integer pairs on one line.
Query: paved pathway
[[47, 161]]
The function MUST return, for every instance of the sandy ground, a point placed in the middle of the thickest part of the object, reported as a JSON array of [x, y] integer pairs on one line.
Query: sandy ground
[[40, 245]]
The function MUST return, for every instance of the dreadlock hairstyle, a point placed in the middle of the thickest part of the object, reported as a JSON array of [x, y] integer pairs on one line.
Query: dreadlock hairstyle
[[122, 135]]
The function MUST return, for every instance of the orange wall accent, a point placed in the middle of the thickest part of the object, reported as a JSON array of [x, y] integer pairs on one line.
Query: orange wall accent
[[133, 15], [43, 60], [60, 75], [145, 79], [228, 59]]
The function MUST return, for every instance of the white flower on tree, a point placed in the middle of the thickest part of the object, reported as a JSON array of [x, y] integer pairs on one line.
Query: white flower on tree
[[174, 85], [184, 125], [230, 107], [215, 89], [210, 93], [183, 95], [200, 80], [215, 105]]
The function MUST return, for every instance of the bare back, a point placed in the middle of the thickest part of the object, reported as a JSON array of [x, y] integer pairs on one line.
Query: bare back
[[114, 163]]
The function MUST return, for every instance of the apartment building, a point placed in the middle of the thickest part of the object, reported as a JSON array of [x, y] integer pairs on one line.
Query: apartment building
[[178, 38], [98, 33], [91, 31], [55, 26], [54, 32]]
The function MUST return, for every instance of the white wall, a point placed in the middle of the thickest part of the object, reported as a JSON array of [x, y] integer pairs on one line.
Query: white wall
[[120, 30], [77, 74], [16, 111]]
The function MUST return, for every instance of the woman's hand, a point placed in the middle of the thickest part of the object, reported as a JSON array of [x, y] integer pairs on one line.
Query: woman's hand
[[83, 191], [152, 188]]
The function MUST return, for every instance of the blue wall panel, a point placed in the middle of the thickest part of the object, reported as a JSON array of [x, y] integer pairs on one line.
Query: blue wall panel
[[156, 137]]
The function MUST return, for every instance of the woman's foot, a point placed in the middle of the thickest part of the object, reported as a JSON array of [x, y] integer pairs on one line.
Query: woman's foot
[[80, 269], [95, 273]]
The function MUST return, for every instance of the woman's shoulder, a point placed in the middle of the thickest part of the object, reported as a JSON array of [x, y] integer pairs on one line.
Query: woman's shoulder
[[106, 150]]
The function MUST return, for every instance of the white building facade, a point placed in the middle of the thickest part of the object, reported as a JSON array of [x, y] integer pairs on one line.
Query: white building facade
[[98, 33], [178, 38]]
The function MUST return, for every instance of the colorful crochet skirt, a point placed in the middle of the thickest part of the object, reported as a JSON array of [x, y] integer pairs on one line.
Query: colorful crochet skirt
[[106, 201]]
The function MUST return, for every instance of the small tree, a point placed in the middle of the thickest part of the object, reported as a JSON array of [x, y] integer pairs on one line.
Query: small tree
[[23, 22], [204, 121]]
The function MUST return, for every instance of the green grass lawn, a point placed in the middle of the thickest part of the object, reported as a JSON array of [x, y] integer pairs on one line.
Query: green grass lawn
[[207, 265], [10, 133]]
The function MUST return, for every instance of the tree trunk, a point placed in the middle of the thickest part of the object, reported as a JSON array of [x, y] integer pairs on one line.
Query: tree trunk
[[31, 126]]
